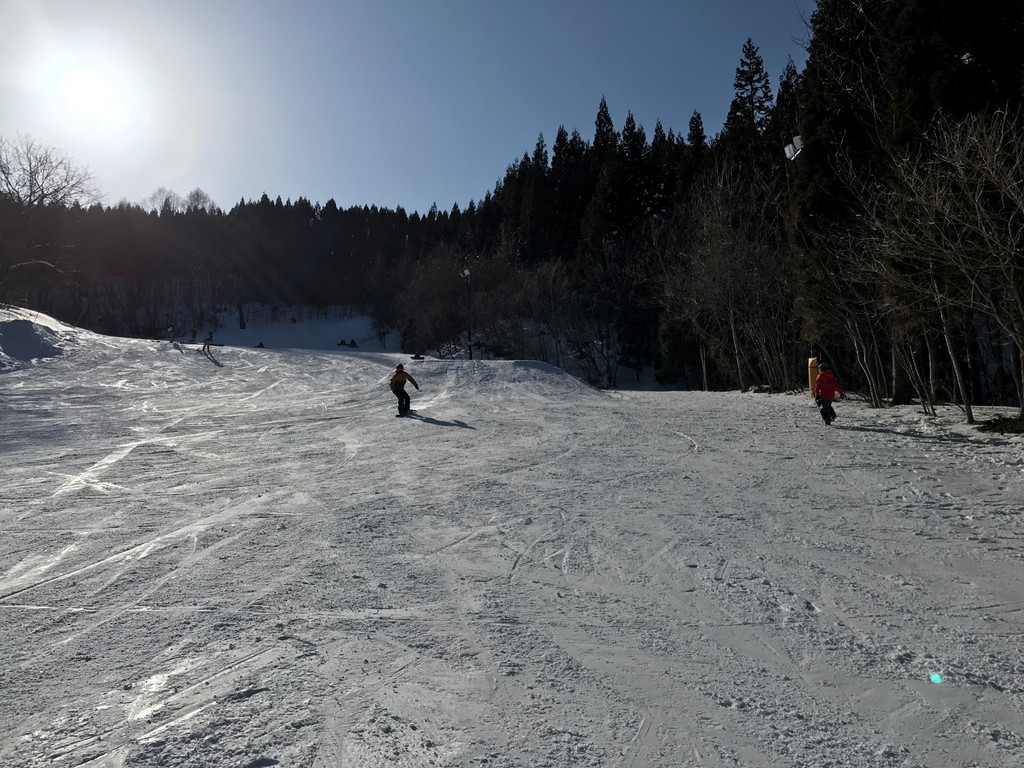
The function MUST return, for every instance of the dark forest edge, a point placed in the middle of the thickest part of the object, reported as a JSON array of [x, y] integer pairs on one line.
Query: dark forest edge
[[891, 244]]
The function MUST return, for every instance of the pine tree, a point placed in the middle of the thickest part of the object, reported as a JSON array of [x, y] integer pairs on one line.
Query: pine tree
[[630, 180], [662, 172], [695, 136], [536, 203], [951, 57], [750, 107], [570, 191], [693, 156], [845, 102], [784, 119], [606, 140], [841, 86]]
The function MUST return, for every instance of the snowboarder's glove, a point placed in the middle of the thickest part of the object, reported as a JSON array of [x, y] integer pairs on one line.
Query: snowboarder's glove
[[817, 401], [842, 395]]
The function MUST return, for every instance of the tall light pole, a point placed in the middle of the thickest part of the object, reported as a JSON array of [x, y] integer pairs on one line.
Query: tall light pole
[[469, 319]]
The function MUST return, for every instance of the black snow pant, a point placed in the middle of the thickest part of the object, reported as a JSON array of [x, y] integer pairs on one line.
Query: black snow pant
[[828, 414], [404, 401]]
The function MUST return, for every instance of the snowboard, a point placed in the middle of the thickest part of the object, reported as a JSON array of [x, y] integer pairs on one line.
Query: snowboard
[[406, 413]]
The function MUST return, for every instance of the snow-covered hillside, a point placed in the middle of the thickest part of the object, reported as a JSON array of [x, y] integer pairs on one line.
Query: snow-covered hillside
[[244, 559], [297, 328]]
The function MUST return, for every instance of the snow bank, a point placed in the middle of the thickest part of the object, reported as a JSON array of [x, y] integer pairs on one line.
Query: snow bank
[[24, 341]]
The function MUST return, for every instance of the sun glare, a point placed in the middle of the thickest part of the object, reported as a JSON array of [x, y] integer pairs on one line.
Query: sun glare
[[91, 96], [89, 88], [95, 92]]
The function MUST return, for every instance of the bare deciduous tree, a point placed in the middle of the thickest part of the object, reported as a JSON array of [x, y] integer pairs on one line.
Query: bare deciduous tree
[[950, 231], [732, 283], [34, 178], [33, 174], [165, 201]]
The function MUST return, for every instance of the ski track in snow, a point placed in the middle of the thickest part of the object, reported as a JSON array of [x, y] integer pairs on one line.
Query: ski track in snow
[[243, 559]]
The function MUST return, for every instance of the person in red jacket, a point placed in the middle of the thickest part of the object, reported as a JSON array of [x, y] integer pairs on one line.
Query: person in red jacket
[[397, 385], [826, 387]]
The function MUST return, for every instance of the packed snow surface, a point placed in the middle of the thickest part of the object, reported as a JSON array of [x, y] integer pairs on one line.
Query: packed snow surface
[[244, 559]]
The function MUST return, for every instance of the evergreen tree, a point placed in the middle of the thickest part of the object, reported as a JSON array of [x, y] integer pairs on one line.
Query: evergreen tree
[[693, 156], [695, 136], [784, 120], [569, 186], [631, 197], [606, 140], [750, 107], [840, 88], [662, 173], [536, 203], [950, 57]]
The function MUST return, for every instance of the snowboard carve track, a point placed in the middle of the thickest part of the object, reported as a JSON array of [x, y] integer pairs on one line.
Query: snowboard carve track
[[115, 739], [463, 539], [133, 552], [111, 613], [631, 751], [519, 557]]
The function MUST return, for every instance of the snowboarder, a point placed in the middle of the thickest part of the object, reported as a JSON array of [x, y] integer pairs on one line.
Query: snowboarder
[[170, 333], [208, 341], [826, 387], [397, 385]]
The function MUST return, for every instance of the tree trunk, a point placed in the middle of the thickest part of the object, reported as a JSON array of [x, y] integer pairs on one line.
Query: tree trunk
[[736, 349], [1018, 376], [867, 359], [704, 365], [933, 367], [902, 388], [957, 367]]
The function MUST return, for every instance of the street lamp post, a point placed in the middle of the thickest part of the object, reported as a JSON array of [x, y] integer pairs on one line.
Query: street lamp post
[[469, 319]]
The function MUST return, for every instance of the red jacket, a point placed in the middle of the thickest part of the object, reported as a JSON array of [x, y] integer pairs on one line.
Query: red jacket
[[826, 386]]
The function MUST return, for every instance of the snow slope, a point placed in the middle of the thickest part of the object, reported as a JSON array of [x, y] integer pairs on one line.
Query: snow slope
[[243, 559], [295, 329]]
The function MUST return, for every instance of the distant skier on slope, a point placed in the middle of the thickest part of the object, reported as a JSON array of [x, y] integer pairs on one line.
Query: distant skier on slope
[[397, 385], [826, 387]]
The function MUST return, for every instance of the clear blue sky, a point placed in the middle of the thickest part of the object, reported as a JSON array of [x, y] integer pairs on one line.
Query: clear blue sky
[[387, 102]]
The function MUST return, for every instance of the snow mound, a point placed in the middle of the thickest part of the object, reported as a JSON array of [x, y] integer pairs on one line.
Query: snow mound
[[23, 342]]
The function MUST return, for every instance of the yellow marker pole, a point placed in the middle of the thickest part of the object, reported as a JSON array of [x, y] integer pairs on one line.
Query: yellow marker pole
[[812, 374]]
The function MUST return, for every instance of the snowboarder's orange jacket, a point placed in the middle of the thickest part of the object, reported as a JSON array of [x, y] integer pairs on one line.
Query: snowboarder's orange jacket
[[399, 379], [826, 386]]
